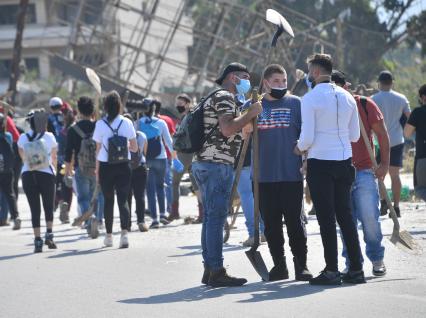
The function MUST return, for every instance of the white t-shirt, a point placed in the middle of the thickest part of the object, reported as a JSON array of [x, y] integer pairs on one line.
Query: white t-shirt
[[102, 133], [50, 142]]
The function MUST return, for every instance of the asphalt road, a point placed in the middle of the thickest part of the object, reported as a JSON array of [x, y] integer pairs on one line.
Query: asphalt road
[[159, 276]]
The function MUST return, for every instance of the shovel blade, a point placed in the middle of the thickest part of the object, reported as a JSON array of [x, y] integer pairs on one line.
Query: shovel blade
[[259, 265], [277, 19], [94, 80], [404, 239]]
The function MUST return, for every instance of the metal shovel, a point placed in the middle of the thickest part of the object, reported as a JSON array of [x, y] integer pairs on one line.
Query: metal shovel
[[399, 238], [253, 254]]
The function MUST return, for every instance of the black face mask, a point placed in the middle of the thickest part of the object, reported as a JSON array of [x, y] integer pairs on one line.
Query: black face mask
[[181, 109], [278, 93]]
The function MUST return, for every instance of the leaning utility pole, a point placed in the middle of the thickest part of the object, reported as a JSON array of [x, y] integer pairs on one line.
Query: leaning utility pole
[[17, 49]]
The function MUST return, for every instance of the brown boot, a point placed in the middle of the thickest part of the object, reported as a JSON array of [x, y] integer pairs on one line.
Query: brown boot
[[174, 213]]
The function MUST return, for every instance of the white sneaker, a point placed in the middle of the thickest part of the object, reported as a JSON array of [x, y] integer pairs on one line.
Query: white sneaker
[[108, 240], [379, 268], [124, 240]]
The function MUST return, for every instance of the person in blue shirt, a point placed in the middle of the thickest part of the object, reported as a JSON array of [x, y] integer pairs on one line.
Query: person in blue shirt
[[280, 177]]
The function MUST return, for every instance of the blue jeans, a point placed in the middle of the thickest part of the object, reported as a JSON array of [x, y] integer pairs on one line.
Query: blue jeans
[[245, 191], [168, 182], [85, 187], [100, 208], [365, 209], [214, 181], [155, 187], [4, 207]]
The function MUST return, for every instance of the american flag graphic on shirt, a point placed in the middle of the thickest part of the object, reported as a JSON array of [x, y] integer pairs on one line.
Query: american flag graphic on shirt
[[274, 118]]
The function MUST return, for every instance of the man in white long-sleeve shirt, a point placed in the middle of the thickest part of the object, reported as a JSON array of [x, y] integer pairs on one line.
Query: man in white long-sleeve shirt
[[329, 125]]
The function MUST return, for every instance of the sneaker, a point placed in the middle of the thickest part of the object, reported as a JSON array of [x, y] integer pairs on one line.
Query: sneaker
[[206, 275], [249, 242], [48, 240], [383, 207], [327, 278], [313, 211], [379, 268], [124, 240], [263, 238], [279, 271], [198, 220], [397, 211], [220, 278], [108, 240], [38, 245], [16, 224], [164, 221], [143, 227], [172, 217], [354, 277], [4, 223], [301, 271], [154, 225]]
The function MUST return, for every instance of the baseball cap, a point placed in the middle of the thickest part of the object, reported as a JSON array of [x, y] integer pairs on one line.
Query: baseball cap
[[233, 67], [339, 78], [385, 76], [55, 102]]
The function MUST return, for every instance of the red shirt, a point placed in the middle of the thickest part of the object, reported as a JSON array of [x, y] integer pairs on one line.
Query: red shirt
[[360, 156], [172, 129], [11, 127]]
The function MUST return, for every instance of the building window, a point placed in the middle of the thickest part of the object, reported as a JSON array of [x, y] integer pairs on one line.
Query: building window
[[67, 11], [9, 14], [31, 65]]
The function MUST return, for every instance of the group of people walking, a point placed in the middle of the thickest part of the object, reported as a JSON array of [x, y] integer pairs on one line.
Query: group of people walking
[[316, 137]]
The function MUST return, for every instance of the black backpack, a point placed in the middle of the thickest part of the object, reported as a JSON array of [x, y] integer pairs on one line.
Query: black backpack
[[189, 136], [7, 156], [117, 146]]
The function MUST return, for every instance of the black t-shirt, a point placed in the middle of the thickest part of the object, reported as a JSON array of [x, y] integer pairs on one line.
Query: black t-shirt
[[418, 120], [74, 140]]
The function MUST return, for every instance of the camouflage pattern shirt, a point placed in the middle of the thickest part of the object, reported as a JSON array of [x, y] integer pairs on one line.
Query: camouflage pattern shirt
[[218, 148]]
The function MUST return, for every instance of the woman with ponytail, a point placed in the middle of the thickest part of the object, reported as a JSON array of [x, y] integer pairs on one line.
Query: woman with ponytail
[[114, 136]]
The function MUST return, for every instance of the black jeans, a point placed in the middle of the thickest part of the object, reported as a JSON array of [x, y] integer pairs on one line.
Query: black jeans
[[330, 185], [115, 177], [137, 189], [283, 198], [6, 186], [38, 184]]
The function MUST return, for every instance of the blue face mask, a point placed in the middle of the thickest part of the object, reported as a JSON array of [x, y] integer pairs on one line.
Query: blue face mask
[[243, 87]]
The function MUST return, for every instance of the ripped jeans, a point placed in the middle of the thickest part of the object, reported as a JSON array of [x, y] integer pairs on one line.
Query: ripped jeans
[[214, 181]]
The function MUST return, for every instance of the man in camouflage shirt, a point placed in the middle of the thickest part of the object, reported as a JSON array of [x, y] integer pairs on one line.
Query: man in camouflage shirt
[[213, 167]]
